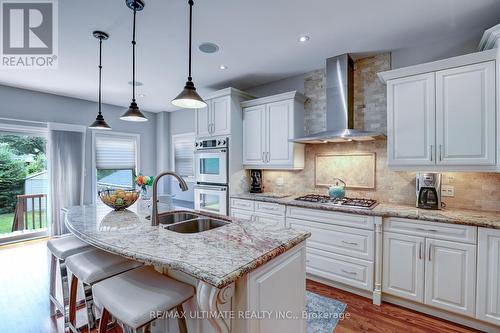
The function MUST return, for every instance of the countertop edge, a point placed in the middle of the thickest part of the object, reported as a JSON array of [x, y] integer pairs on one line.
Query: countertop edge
[[397, 211]]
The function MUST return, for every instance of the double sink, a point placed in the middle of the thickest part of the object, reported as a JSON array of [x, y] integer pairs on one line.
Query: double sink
[[187, 222]]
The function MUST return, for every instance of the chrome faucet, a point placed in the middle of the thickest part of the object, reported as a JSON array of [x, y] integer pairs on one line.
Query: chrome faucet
[[182, 185]]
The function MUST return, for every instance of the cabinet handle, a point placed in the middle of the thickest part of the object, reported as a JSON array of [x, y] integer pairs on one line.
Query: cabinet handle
[[430, 251], [431, 152], [420, 251], [263, 157], [426, 230], [268, 158], [350, 243], [349, 272], [440, 152]]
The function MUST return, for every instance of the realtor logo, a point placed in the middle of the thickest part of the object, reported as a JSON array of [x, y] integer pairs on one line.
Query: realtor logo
[[29, 34]]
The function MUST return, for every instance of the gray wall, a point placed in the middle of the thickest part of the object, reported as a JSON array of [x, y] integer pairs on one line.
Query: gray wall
[[35, 106], [440, 49]]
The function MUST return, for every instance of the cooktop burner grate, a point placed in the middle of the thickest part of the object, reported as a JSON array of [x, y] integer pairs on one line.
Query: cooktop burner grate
[[348, 202]]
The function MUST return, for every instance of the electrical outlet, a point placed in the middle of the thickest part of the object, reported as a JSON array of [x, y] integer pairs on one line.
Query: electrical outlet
[[447, 191]]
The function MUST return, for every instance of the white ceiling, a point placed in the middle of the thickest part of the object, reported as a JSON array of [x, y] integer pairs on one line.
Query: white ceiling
[[258, 41]]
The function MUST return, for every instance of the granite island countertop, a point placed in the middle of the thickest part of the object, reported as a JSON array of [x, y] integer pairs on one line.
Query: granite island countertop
[[454, 216], [217, 257]]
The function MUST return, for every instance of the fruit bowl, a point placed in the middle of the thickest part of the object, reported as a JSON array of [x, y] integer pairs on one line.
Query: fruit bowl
[[118, 199]]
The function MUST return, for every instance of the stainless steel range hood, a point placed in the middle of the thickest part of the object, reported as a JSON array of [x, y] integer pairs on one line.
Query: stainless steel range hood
[[339, 106]]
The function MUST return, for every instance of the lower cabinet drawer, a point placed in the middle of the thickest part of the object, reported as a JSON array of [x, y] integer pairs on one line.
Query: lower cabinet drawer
[[331, 217], [242, 204], [350, 271], [270, 218], [241, 214], [269, 208], [352, 242]]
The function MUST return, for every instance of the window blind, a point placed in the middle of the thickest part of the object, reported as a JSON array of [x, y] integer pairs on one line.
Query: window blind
[[184, 155], [115, 152]]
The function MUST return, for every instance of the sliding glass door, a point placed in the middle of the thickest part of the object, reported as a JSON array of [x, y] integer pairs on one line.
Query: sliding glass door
[[24, 185]]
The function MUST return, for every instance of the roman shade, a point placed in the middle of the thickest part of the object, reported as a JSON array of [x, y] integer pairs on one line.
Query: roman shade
[[115, 152]]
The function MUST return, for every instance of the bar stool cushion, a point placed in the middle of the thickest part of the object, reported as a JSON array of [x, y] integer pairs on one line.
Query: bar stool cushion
[[95, 265], [132, 296], [65, 246]]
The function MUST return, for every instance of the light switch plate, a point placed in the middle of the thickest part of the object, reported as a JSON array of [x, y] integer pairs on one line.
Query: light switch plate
[[447, 191]]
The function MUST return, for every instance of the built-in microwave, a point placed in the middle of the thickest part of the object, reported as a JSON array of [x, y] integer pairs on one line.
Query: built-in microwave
[[211, 161], [211, 199]]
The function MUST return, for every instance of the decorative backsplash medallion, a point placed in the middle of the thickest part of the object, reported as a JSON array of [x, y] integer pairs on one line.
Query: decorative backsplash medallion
[[357, 170]]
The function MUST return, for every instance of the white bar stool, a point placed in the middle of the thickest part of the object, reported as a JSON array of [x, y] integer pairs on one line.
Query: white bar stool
[[90, 267], [132, 297], [61, 248]]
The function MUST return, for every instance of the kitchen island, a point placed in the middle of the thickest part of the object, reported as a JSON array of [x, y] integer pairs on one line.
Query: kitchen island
[[241, 271]]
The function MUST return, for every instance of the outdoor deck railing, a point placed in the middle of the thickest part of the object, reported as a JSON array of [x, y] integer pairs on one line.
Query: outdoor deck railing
[[21, 217]]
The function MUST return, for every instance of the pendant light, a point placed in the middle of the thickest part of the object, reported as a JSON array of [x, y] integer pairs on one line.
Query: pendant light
[[189, 98], [133, 113], [99, 122]]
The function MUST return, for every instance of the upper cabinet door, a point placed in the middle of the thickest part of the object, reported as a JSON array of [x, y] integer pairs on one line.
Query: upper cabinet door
[[202, 122], [488, 276], [280, 123], [465, 115], [220, 116], [254, 135], [450, 276], [411, 120], [403, 266]]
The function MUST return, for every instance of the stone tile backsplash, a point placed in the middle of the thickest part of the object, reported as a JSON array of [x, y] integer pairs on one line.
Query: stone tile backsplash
[[479, 191]]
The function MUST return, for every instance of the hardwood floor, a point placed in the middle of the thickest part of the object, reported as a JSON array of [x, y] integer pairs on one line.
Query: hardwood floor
[[366, 317], [24, 302]]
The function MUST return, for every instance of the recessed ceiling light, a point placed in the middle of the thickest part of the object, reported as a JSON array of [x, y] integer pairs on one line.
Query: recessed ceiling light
[[303, 38], [223, 67], [137, 83], [142, 95], [208, 47]]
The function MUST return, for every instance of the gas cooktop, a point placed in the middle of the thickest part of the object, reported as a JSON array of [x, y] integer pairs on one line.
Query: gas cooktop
[[346, 202]]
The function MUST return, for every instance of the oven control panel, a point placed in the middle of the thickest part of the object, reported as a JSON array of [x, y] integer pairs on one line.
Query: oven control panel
[[212, 143]]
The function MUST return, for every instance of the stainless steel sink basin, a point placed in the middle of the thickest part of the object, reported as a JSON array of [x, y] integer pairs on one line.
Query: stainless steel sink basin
[[195, 226], [174, 217]]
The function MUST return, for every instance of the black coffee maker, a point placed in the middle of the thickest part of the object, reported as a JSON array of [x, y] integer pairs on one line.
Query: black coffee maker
[[429, 190], [257, 182]]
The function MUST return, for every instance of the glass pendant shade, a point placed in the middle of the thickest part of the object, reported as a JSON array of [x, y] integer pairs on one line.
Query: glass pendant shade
[[99, 123], [133, 114], [189, 98]]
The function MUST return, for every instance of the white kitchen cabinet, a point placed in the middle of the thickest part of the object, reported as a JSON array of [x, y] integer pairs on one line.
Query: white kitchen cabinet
[[258, 211], [465, 115], [442, 115], [488, 276], [410, 120], [450, 276], [215, 119], [403, 266], [269, 124], [254, 135], [222, 114], [431, 263]]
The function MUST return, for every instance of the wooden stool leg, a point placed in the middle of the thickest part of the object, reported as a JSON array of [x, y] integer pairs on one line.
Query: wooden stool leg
[[72, 300], [103, 322], [182, 319]]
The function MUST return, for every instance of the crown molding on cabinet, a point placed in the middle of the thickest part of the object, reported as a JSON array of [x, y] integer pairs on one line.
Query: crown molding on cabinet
[[438, 65], [275, 98], [228, 91], [490, 39]]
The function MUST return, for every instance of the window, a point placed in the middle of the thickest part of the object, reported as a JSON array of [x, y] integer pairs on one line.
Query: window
[[183, 155], [115, 159]]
